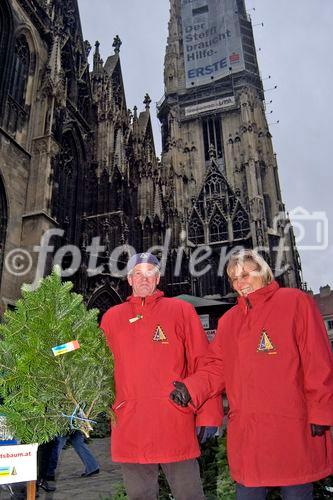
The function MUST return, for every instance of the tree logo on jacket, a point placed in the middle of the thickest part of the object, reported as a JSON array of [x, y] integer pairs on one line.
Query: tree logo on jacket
[[265, 344], [159, 335]]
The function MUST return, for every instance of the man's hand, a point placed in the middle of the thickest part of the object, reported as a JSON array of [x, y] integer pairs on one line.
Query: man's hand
[[318, 430], [180, 394]]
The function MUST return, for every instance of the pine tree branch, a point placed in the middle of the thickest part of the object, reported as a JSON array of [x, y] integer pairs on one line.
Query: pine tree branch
[[7, 368], [39, 388], [91, 407]]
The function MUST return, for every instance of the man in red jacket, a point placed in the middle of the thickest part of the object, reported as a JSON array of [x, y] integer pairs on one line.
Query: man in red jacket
[[272, 355], [155, 340]]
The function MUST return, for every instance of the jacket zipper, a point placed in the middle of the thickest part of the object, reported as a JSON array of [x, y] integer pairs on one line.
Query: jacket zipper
[[248, 303], [139, 315], [143, 303]]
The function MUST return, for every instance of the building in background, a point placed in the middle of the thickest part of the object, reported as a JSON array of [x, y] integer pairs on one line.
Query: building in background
[[71, 153], [220, 173], [324, 300], [75, 160]]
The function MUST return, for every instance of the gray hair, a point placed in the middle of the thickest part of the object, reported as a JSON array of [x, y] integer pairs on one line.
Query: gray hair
[[248, 255]]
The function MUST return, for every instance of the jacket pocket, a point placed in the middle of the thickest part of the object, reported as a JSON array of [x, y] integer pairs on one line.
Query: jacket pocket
[[116, 406], [126, 428], [124, 410], [173, 431], [182, 409]]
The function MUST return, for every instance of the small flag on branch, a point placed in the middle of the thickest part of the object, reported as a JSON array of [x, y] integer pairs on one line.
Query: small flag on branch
[[62, 349]]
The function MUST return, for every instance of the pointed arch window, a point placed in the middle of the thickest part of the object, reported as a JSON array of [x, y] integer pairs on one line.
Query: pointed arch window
[[157, 230], [66, 187], [147, 235], [104, 298], [214, 186], [18, 84], [212, 136], [4, 36], [116, 233], [135, 236], [103, 192], [119, 145], [115, 194], [211, 187], [218, 228], [6, 41], [196, 231], [240, 224], [268, 210]]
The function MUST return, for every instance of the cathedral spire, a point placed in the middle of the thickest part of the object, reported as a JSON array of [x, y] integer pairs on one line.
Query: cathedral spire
[[98, 62], [173, 63]]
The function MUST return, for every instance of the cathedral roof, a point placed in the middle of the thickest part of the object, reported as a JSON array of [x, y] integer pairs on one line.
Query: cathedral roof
[[144, 119], [199, 301], [111, 63]]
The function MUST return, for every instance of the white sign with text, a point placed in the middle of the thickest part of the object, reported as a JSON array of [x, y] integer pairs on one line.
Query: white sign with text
[[18, 463], [211, 40], [204, 107]]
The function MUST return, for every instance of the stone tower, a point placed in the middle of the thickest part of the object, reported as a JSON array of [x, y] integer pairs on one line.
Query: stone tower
[[220, 174]]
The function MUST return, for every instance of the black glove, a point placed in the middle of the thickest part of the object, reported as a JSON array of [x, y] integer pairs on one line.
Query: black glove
[[318, 430], [180, 395]]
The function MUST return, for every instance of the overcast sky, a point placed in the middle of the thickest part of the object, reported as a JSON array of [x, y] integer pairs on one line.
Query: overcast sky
[[295, 50]]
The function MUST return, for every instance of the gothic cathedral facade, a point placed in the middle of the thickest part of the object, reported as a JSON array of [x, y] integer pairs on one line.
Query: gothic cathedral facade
[[78, 166]]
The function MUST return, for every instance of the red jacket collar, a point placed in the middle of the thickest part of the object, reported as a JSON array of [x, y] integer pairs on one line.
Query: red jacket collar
[[148, 300], [259, 296]]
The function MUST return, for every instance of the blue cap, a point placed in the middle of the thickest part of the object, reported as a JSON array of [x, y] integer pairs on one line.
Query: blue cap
[[142, 258]]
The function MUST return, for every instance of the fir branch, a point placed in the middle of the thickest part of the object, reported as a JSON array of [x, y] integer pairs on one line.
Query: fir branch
[[7, 368], [91, 407], [38, 387]]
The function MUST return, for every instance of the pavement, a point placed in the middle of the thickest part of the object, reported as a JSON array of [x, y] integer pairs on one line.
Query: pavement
[[69, 483], [71, 486]]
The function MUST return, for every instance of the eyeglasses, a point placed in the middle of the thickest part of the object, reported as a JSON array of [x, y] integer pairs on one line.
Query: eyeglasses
[[244, 276], [147, 274]]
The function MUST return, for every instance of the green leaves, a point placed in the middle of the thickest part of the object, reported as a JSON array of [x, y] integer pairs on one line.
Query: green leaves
[[38, 387]]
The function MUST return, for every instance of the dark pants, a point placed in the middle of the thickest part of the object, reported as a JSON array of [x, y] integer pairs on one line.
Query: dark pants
[[297, 492], [44, 455], [76, 438], [141, 480]]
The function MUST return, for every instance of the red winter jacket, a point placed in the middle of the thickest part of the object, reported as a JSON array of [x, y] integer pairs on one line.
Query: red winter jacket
[[149, 354], [272, 355]]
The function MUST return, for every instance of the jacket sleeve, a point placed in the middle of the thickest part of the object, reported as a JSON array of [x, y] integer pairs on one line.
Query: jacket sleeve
[[106, 327], [317, 362], [211, 412], [208, 380]]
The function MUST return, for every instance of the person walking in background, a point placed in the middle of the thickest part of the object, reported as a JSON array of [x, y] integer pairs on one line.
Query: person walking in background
[[154, 340], [44, 456], [76, 439], [272, 355]]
